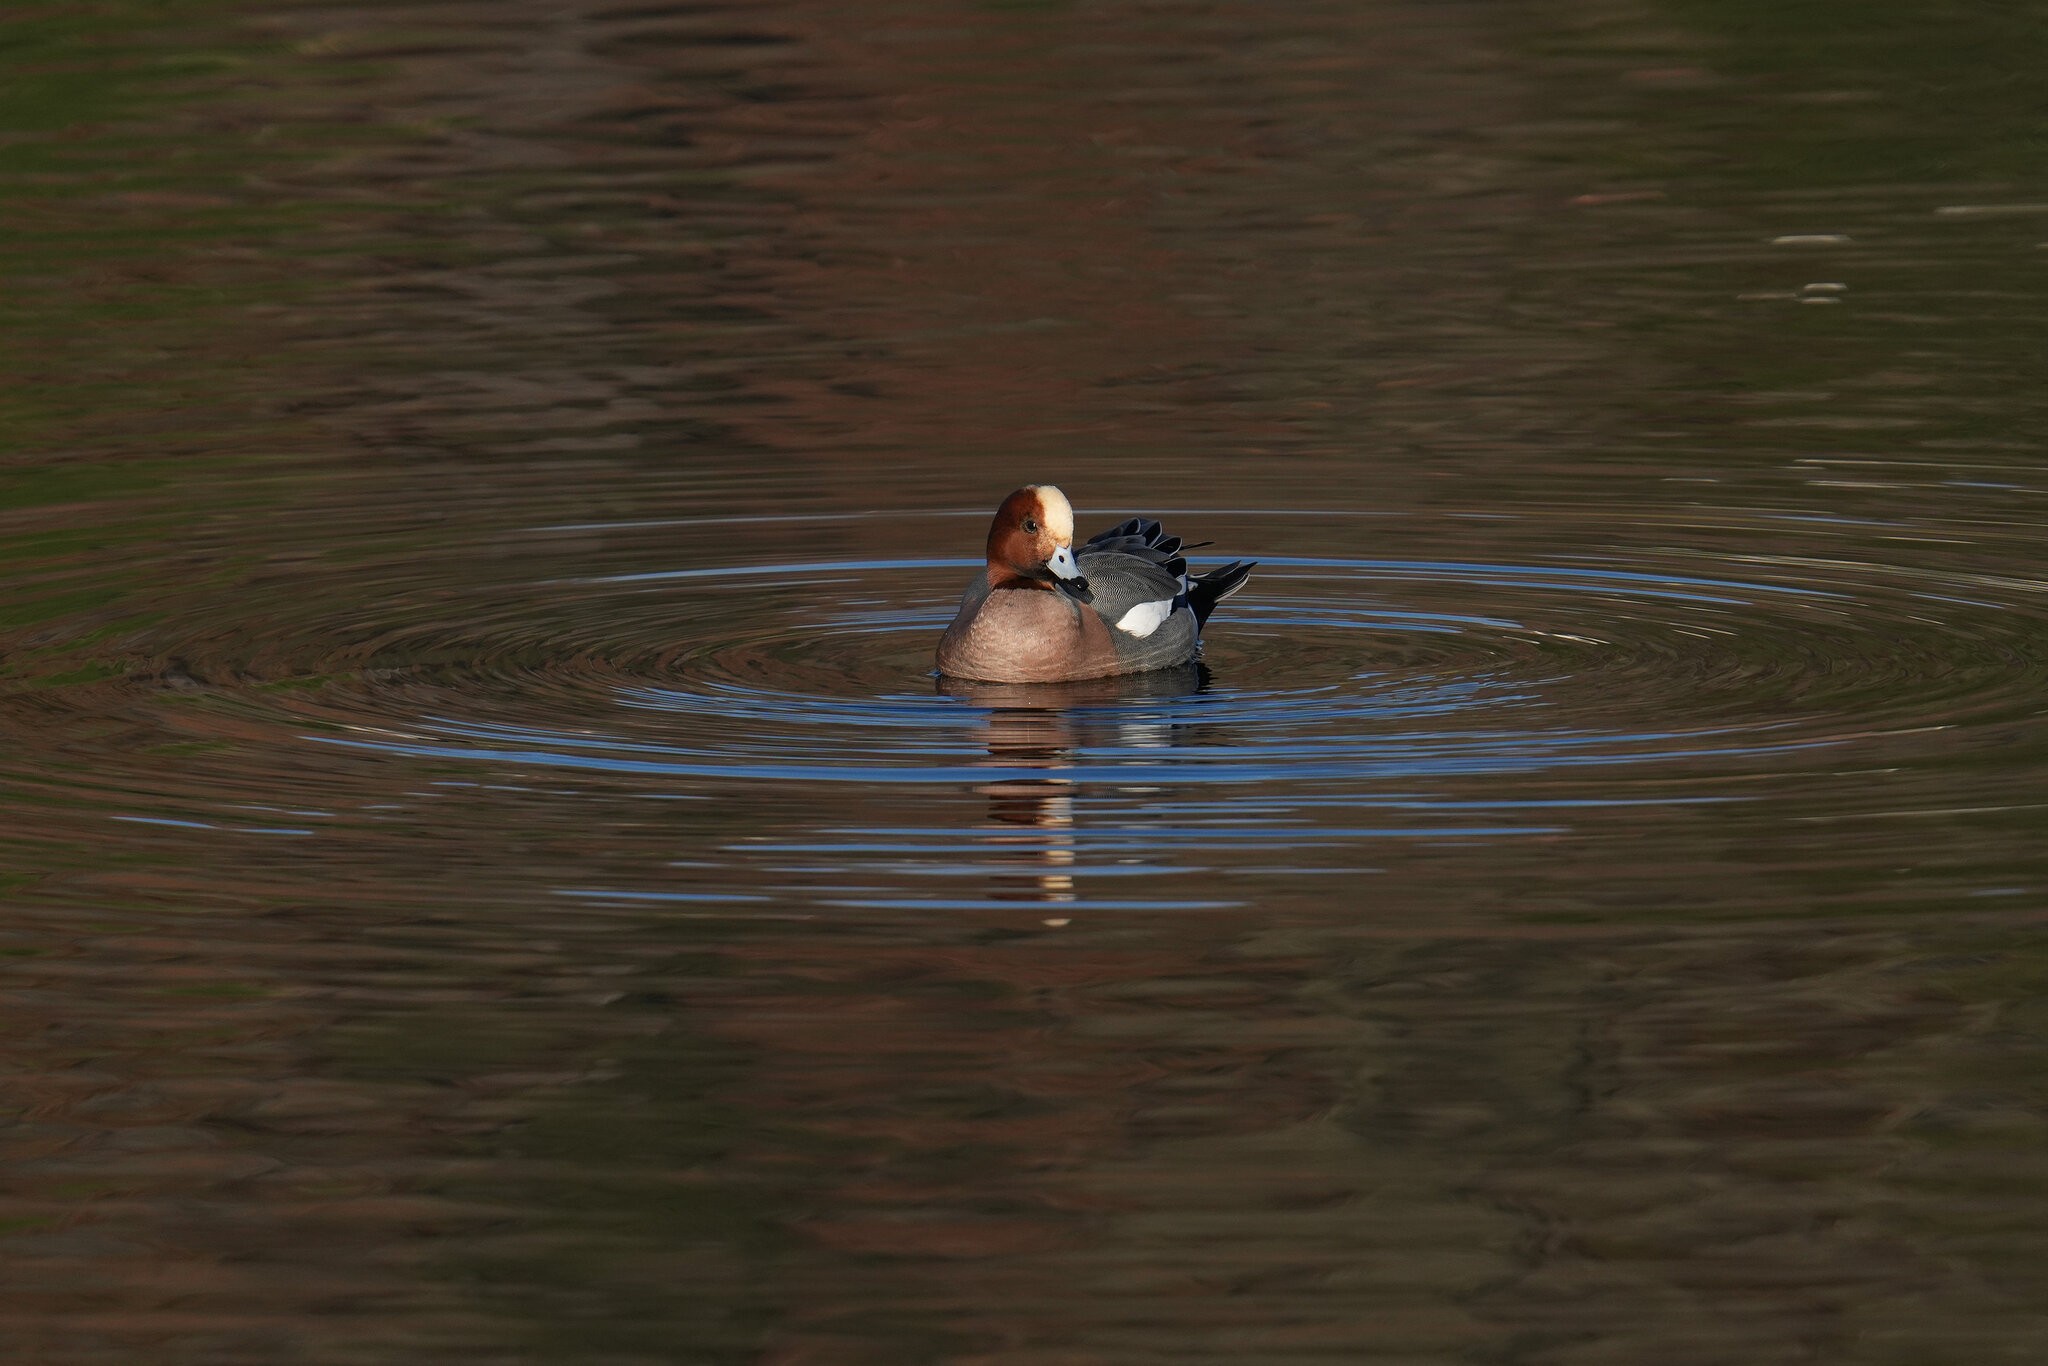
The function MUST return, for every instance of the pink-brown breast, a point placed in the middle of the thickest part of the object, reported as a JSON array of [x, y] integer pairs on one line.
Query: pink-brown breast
[[1027, 635]]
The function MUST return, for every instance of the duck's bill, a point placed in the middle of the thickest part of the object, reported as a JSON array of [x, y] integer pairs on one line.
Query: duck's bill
[[1063, 566]]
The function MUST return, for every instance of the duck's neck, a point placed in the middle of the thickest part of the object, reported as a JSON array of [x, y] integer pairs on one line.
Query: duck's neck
[[1003, 576]]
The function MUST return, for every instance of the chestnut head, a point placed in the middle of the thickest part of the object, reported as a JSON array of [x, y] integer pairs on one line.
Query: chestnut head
[[1032, 538]]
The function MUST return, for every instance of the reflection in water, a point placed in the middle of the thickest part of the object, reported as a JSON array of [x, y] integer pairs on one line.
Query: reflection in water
[[1033, 815], [487, 876], [1043, 726]]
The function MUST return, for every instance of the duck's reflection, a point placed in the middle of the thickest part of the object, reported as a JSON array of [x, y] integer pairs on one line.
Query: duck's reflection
[[1045, 727]]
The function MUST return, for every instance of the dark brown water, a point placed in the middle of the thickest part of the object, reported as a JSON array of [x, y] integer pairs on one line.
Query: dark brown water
[[489, 876]]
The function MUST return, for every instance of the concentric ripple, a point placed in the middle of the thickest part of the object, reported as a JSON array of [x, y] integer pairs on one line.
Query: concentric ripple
[[1667, 703], [1329, 669]]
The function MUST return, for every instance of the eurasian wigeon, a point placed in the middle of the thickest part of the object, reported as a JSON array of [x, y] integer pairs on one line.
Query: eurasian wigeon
[[1043, 613]]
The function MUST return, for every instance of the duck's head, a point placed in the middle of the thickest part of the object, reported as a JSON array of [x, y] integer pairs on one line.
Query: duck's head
[[1032, 539]]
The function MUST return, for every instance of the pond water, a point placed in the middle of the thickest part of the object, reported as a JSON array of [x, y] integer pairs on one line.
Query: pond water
[[490, 875]]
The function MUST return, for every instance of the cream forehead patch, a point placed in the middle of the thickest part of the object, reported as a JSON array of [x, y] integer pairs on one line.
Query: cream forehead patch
[[1057, 512]]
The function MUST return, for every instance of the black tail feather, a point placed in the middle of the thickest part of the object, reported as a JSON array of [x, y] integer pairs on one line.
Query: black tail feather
[[1206, 590]]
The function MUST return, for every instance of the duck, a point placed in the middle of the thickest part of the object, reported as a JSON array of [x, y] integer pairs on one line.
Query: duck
[[1044, 612]]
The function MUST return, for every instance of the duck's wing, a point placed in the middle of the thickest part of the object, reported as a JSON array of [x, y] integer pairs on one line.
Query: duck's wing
[[1138, 583], [1144, 539], [1120, 584]]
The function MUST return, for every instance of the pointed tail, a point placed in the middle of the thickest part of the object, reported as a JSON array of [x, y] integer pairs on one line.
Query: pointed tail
[[1206, 590]]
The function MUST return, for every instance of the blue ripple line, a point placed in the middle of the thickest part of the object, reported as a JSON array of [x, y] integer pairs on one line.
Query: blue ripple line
[[1506, 573], [609, 895], [1077, 904], [1165, 775]]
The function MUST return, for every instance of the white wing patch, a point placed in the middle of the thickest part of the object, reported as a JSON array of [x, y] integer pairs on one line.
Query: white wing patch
[[1146, 617]]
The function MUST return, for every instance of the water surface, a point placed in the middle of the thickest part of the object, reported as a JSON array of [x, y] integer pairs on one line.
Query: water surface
[[490, 874]]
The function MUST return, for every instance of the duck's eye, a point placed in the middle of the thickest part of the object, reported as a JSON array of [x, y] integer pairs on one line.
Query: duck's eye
[[1030, 526]]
